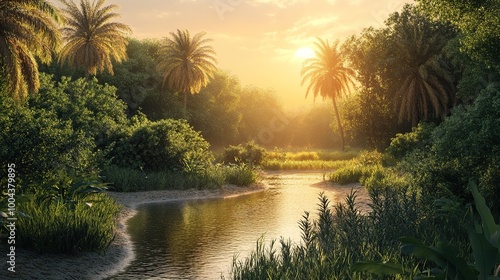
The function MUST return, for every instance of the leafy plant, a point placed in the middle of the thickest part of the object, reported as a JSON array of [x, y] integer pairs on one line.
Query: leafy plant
[[250, 153], [484, 241], [167, 145], [70, 191], [51, 226]]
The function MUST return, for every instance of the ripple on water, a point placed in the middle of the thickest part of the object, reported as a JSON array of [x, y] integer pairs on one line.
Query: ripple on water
[[197, 239]]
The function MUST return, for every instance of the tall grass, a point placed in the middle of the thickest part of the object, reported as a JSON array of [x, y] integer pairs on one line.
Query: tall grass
[[357, 169], [57, 227], [340, 236], [130, 180], [306, 160], [276, 164], [240, 175]]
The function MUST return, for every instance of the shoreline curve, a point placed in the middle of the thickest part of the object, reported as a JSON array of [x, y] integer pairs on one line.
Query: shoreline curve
[[94, 265]]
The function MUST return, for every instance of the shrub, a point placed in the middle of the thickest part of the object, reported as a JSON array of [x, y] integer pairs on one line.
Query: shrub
[[167, 145], [465, 146], [250, 153], [42, 145], [418, 138], [67, 127]]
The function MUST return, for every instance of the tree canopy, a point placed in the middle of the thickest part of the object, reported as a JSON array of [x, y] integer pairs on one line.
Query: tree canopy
[[28, 30]]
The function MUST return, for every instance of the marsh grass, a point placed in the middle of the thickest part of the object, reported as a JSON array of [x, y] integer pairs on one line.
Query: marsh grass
[[306, 160], [240, 175], [52, 226], [359, 168], [276, 164], [131, 180], [341, 235]]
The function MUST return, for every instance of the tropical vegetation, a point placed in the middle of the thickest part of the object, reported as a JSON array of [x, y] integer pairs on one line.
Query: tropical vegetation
[[188, 63], [328, 76], [29, 31], [91, 40], [420, 132]]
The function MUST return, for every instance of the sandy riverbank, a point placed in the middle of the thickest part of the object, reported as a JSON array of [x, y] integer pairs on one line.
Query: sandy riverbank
[[30, 265]]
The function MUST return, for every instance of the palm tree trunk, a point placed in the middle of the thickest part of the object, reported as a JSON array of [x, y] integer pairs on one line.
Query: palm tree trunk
[[185, 100], [341, 130]]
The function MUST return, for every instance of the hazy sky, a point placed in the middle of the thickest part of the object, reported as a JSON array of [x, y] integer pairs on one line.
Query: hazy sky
[[256, 39]]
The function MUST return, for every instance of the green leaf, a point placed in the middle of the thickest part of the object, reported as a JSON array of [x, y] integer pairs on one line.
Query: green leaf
[[490, 229], [378, 267], [444, 255], [415, 247], [484, 254]]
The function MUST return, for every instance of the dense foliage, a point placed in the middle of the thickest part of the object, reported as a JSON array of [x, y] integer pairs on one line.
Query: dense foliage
[[65, 128], [163, 145]]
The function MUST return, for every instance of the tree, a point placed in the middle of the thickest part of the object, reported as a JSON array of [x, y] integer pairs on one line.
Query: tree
[[214, 110], [327, 76], [28, 30], [187, 63], [479, 22], [92, 40], [426, 87], [136, 78]]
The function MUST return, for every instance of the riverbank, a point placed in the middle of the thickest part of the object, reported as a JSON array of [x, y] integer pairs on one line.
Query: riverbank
[[30, 265]]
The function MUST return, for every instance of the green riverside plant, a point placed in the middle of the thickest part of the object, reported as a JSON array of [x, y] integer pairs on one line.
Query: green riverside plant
[[52, 226]]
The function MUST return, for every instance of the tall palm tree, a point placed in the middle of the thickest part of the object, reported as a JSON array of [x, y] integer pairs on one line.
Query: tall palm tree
[[327, 76], [28, 30], [92, 40], [187, 63], [426, 85]]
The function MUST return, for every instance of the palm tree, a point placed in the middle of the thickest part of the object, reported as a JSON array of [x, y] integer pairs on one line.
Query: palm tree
[[92, 40], [327, 76], [187, 63], [426, 85], [28, 30]]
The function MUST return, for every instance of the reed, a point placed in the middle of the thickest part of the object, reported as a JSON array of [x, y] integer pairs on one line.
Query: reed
[[341, 235]]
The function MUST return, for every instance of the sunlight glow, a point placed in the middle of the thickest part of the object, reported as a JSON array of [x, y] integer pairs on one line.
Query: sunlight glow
[[304, 53]]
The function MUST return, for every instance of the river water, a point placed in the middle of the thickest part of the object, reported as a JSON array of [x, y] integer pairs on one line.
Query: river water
[[197, 239]]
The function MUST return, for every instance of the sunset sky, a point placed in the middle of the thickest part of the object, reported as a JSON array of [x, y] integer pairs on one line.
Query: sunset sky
[[257, 40]]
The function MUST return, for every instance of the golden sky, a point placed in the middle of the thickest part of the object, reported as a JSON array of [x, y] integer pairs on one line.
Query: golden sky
[[257, 40]]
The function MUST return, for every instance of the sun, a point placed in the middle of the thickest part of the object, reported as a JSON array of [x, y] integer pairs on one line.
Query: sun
[[304, 53]]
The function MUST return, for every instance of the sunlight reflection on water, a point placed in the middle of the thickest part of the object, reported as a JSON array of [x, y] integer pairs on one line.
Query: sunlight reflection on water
[[197, 239]]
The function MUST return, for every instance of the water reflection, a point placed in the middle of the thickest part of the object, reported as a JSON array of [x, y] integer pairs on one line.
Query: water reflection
[[197, 239]]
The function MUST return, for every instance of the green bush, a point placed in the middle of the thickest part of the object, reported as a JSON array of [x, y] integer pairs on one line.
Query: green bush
[[403, 144], [465, 146], [250, 153], [54, 227], [167, 145], [67, 127], [42, 145]]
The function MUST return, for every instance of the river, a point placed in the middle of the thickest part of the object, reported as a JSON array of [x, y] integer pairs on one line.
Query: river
[[197, 239]]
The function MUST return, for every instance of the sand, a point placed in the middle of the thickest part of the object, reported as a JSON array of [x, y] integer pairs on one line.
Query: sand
[[30, 265]]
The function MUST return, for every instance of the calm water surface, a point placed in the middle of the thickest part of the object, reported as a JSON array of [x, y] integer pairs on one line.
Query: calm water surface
[[197, 239]]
